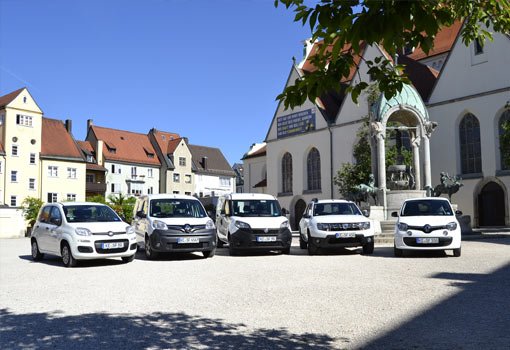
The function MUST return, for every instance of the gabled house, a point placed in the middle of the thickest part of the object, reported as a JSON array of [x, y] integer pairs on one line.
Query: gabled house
[[132, 165], [255, 169], [239, 171], [95, 180]]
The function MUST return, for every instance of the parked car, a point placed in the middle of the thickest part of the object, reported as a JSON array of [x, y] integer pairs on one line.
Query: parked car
[[173, 223], [335, 223], [81, 231], [249, 221], [427, 224]]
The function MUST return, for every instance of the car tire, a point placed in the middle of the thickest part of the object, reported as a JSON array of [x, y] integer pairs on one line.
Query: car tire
[[398, 252], [368, 248], [302, 243], [36, 254], [286, 251], [231, 250], [67, 256], [456, 252], [150, 254], [209, 253], [128, 259], [312, 248]]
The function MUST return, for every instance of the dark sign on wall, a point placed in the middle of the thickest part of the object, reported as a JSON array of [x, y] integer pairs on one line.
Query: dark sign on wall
[[296, 123]]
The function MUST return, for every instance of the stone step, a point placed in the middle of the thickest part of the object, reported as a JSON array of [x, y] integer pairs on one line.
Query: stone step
[[384, 238]]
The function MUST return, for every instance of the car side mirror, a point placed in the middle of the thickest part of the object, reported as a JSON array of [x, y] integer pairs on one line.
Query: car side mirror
[[394, 214], [141, 214], [55, 221], [458, 212], [222, 212], [285, 211], [306, 216], [365, 213], [210, 214]]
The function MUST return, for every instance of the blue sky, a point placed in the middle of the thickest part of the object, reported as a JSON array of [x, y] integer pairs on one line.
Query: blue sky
[[207, 69]]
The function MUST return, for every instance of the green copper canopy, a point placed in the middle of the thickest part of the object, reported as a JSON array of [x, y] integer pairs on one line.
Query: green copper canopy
[[408, 97]]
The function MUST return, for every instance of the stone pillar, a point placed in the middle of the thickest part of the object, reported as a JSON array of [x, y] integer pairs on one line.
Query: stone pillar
[[379, 134], [416, 161], [426, 162]]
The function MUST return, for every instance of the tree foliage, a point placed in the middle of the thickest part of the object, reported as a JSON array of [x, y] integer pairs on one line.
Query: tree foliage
[[123, 205], [31, 207], [343, 26]]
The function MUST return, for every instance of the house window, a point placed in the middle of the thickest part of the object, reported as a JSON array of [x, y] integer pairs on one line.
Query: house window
[[313, 164], [149, 172], [224, 181], [113, 168], [133, 172], [52, 171], [478, 47], [470, 149], [90, 159], [504, 153], [31, 184], [187, 193], [71, 173], [182, 161], [90, 178], [23, 120], [52, 197], [71, 197], [177, 178], [176, 192], [14, 151], [115, 187], [287, 173], [150, 190], [187, 179], [14, 201], [32, 158], [14, 176]]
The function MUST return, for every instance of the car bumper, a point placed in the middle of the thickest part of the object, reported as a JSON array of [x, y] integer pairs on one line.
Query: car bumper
[[174, 241], [249, 240], [93, 247], [331, 241], [412, 242]]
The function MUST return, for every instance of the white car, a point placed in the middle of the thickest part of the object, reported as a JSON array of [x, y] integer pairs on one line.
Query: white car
[[81, 231], [427, 224], [334, 223]]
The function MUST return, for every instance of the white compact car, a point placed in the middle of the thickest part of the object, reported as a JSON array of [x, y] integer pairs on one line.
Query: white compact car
[[427, 224], [333, 223], [81, 231]]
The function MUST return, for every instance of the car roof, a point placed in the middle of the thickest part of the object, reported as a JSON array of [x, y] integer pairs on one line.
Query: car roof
[[427, 198], [251, 196], [168, 196], [64, 204], [331, 201]]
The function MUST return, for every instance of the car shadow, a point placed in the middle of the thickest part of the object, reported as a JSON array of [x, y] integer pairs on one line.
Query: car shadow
[[387, 252], [57, 261], [140, 255]]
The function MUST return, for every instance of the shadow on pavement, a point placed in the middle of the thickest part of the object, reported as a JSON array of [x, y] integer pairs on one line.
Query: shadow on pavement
[[53, 260], [154, 331], [477, 317]]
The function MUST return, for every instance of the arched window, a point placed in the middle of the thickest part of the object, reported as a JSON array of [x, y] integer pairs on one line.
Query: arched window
[[313, 164], [287, 173], [470, 149], [505, 118]]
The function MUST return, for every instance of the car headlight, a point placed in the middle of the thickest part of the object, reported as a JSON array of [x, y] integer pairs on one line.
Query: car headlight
[[83, 231], [284, 224], [242, 225], [402, 226], [130, 230], [159, 225], [209, 225], [322, 227], [364, 225], [452, 226]]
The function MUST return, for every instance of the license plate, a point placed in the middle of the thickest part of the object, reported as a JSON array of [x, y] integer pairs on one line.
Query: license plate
[[345, 235], [183, 240], [113, 245], [266, 239], [427, 240]]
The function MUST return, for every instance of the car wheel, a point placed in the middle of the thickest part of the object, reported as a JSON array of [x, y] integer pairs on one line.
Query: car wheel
[[368, 248], [67, 256], [456, 252], [209, 253], [312, 248], [220, 243], [36, 254], [231, 250], [302, 243], [398, 252], [150, 254], [286, 251], [128, 259]]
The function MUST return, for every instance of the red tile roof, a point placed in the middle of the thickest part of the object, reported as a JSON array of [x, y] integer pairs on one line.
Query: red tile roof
[[6, 99], [443, 42], [165, 140], [126, 146], [172, 145], [86, 146], [56, 141]]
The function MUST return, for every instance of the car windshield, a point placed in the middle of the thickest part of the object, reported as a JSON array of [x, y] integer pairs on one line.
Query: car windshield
[[176, 208], [320, 209], [427, 207], [90, 213], [256, 207]]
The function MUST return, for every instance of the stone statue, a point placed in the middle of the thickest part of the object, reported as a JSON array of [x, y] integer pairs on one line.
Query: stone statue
[[448, 185], [364, 191], [430, 127]]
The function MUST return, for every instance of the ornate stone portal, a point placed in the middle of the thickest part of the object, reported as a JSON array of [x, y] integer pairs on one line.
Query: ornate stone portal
[[400, 182]]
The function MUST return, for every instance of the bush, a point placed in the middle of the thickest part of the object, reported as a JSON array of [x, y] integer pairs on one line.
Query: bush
[[31, 207]]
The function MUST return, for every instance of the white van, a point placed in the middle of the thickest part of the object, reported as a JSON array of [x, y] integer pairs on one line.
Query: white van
[[173, 223], [248, 221]]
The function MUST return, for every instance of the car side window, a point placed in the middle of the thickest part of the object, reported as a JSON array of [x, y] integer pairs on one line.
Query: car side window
[[55, 216], [44, 217]]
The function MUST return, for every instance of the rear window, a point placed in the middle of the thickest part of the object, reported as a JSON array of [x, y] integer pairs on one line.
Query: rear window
[[90, 213], [176, 208], [336, 209], [427, 208]]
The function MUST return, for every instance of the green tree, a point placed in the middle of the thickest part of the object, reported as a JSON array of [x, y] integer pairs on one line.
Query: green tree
[[123, 205], [31, 207], [341, 26], [98, 198]]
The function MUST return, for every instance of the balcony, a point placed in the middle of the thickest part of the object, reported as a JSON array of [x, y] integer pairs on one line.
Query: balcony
[[95, 187]]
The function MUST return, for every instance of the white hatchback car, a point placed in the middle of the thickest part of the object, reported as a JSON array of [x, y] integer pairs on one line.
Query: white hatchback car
[[427, 224], [81, 231]]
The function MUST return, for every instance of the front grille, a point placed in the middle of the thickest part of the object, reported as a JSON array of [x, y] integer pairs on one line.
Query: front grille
[[269, 244], [422, 228], [443, 241], [100, 250], [345, 227], [334, 240], [262, 232], [181, 228], [178, 246], [83, 249], [106, 233]]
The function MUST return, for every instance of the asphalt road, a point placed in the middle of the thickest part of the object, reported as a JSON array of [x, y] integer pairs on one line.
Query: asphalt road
[[271, 301]]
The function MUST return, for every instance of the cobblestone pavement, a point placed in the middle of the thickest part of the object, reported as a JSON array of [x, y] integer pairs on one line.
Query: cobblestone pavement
[[272, 301]]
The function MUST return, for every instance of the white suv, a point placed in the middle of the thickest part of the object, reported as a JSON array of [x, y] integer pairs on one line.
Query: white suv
[[332, 223], [81, 231], [427, 224]]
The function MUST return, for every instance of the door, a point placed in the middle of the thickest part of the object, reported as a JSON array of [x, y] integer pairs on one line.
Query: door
[[142, 224], [54, 230], [41, 229], [299, 209], [224, 220], [491, 205]]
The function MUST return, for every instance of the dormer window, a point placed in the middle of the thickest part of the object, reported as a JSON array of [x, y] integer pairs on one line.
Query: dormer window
[[111, 149], [148, 153]]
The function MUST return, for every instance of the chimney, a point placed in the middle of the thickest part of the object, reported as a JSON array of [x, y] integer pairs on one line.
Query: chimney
[[69, 126], [89, 123], [99, 152], [204, 162]]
